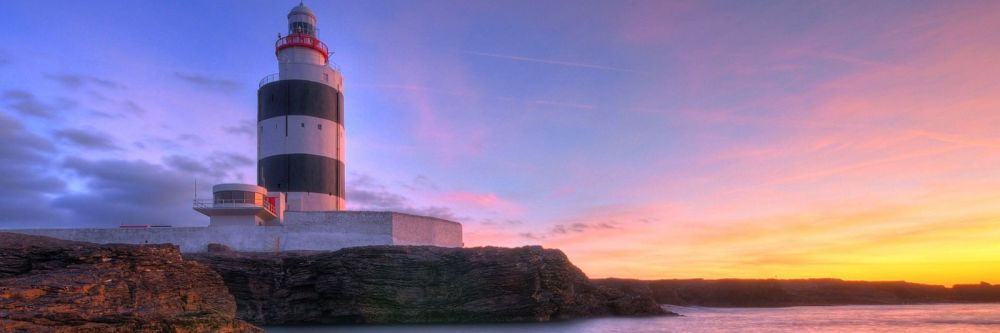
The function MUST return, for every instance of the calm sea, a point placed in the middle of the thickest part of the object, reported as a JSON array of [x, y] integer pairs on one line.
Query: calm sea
[[885, 318]]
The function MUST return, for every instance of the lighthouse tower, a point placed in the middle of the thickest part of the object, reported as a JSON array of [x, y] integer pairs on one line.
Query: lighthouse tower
[[300, 121]]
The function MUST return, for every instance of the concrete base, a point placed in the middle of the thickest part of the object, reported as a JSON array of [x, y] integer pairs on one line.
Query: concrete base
[[320, 231]]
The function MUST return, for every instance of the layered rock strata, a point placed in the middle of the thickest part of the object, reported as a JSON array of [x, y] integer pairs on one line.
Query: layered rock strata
[[50, 285], [418, 284]]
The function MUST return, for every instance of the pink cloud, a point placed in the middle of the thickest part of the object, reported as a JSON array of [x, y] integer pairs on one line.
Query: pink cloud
[[483, 202]]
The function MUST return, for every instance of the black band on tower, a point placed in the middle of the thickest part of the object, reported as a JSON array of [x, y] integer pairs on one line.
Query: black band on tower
[[299, 98], [312, 173]]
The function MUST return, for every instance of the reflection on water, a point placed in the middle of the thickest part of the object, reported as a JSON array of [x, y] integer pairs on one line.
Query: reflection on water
[[889, 318]]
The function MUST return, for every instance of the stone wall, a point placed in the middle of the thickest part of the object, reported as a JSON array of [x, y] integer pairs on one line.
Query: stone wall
[[320, 231], [421, 230]]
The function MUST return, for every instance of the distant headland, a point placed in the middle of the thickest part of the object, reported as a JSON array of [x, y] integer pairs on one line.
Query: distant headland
[[805, 292]]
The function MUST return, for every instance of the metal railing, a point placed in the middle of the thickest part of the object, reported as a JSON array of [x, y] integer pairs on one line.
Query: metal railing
[[234, 203], [268, 79], [275, 77], [302, 40]]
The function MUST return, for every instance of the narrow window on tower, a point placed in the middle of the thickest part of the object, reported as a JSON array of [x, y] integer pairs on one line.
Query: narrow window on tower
[[326, 77], [319, 127], [303, 125]]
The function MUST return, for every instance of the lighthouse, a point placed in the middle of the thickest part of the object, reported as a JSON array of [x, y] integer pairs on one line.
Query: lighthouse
[[300, 121], [298, 201]]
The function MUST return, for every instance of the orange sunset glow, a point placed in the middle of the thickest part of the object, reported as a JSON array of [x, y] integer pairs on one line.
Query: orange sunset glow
[[888, 172]]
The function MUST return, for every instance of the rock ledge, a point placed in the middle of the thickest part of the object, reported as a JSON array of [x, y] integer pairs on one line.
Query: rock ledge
[[51, 285], [418, 284]]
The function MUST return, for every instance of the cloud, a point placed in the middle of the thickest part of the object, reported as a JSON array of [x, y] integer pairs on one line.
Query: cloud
[[26, 162], [245, 127], [420, 182], [570, 228], [128, 192], [28, 104], [90, 139], [76, 81], [508, 222], [366, 193], [555, 62], [44, 191], [230, 160], [480, 201], [125, 107], [440, 212], [201, 81], [133, 108], [190, 165], [217, 166], [191, 138]]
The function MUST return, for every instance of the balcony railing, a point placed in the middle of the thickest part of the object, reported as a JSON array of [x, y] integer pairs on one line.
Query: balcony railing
[[275, 77], [234, 203], [268, 79], [304, 41]]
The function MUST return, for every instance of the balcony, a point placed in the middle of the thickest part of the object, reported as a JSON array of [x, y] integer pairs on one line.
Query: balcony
[[302, 40], [217, 207]]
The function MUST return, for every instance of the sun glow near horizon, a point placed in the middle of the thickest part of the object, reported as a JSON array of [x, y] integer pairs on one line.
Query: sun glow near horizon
[[889, 172]]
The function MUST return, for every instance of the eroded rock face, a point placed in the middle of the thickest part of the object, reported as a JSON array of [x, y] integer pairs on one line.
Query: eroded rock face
[[50, 285], [417, 284]]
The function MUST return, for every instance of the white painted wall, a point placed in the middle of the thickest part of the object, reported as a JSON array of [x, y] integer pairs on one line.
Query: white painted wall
[[300, 63], [301, 139], [234, 220], [420, 230], [321, 231], [315, 202]]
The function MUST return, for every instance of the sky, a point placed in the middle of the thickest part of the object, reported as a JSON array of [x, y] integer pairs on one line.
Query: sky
[[645, 139]]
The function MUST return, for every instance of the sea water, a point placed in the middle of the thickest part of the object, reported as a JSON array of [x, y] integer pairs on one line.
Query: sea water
[[875, 318]]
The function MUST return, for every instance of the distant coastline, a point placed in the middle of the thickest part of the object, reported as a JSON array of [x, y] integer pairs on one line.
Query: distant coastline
[[804, 292]]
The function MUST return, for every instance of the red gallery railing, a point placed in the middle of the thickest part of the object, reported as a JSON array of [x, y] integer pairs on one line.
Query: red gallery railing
[[304, 41]]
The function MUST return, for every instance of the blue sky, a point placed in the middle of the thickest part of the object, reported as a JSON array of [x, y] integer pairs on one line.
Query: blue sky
[[705, 135]]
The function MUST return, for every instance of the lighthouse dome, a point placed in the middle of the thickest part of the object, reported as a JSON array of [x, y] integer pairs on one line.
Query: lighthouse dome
[[301, 9]]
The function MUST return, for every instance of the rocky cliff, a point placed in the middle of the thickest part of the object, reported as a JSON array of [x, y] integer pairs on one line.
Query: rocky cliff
[[773, 292], [49, 285], [418, 284]]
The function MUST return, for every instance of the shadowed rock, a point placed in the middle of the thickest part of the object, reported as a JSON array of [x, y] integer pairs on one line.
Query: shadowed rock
[[417, 284]]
